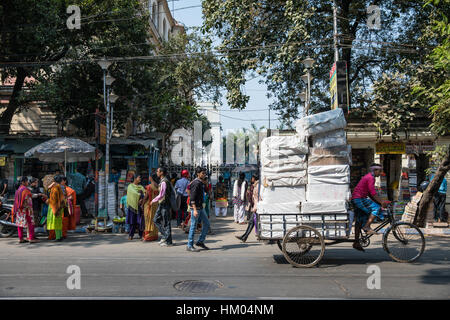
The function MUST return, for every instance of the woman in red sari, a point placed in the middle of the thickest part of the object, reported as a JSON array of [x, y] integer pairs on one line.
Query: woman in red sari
[[23, 211]]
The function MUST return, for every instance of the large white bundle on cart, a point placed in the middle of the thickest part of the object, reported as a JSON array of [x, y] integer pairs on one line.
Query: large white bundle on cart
[[311, 190]]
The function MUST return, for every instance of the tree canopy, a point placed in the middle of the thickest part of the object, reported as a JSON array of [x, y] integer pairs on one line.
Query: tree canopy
[[272, 37]]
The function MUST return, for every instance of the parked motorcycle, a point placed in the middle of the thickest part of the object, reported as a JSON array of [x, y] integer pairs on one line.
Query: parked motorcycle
[[7, 227]]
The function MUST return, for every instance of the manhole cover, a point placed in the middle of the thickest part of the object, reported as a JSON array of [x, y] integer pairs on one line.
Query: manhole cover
[[198, 286]]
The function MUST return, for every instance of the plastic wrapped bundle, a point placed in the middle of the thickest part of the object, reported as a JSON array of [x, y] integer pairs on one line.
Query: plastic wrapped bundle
[[283, 194], [278, 208], [339, 174], [327, 192], [330, 139], [324, 207], [284, 179], [272, 148], [321, 122], [341, 155], [283, 164]]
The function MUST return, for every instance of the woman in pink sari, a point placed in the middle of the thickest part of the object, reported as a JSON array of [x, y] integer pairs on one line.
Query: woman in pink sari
[[23, 211]]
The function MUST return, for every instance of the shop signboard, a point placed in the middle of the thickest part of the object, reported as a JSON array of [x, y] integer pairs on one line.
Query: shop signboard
[[102, 134], [417, 148], [2, 161], [390, 148], [339, 86]]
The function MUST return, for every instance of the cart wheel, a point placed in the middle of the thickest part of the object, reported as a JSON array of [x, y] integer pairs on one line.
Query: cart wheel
[[303, 246], [404, 242]]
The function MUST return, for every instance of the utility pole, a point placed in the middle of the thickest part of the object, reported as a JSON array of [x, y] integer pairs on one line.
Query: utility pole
[[335, 34]]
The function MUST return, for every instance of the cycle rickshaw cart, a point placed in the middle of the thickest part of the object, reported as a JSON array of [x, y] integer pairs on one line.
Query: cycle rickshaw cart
[[302, 237]]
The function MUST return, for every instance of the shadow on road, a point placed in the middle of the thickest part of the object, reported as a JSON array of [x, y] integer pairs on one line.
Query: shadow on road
[[437, 276]]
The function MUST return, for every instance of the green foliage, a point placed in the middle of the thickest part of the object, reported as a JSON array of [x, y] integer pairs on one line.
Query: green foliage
[[393, 104], [432, 83], [272, 37]]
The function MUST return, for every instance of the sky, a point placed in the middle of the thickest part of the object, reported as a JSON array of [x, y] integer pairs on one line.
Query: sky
[[257, 110]]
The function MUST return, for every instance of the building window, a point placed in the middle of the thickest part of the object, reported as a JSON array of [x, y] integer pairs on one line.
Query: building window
[[180, 139]]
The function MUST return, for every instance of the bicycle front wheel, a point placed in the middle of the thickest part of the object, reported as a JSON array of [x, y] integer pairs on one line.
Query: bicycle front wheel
[[404, 242]]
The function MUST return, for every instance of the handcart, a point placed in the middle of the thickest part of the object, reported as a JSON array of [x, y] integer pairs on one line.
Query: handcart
[[302, 237]]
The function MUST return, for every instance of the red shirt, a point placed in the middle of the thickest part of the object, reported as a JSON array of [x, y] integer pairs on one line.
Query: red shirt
[[365, 187]]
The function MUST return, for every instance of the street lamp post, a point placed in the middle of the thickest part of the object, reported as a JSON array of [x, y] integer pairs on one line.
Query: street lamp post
[[307, 78], [109, 81], [104, 64]]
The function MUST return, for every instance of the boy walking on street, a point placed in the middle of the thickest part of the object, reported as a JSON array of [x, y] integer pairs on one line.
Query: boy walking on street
[[198, 214]]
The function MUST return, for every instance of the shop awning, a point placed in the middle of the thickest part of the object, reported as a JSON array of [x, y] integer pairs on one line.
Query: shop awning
[[147, 143]]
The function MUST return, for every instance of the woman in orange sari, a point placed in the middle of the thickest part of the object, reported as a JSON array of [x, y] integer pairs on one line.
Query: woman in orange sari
[[150, 232], [69, 222], [55, 210]]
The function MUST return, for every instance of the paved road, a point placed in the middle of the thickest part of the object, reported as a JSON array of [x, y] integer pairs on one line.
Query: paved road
[[112, 266]]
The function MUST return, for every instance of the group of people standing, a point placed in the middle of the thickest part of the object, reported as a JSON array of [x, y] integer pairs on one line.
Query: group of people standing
[[149, 210], [56, 202]]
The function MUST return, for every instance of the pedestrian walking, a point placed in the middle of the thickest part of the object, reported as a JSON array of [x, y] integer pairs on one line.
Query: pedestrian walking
[[252, 208], [180, 188], [239, 198], [221, 198], [123, 208], [135, 215], [23, 211], [150, 232], [198, 214], [163, 213], [55, 209]]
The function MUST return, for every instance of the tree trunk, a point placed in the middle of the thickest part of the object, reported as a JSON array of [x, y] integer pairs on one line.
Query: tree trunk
[[433, 187], [8, 114]]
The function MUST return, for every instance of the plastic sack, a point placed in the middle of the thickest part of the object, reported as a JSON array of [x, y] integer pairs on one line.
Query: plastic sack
[[283, 194], [310, 207], [321, 122], [283, 164], [341, 155], [330, 139], [277, 208], [339, 174], [272, 148], [327, 192], [284, 179]]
